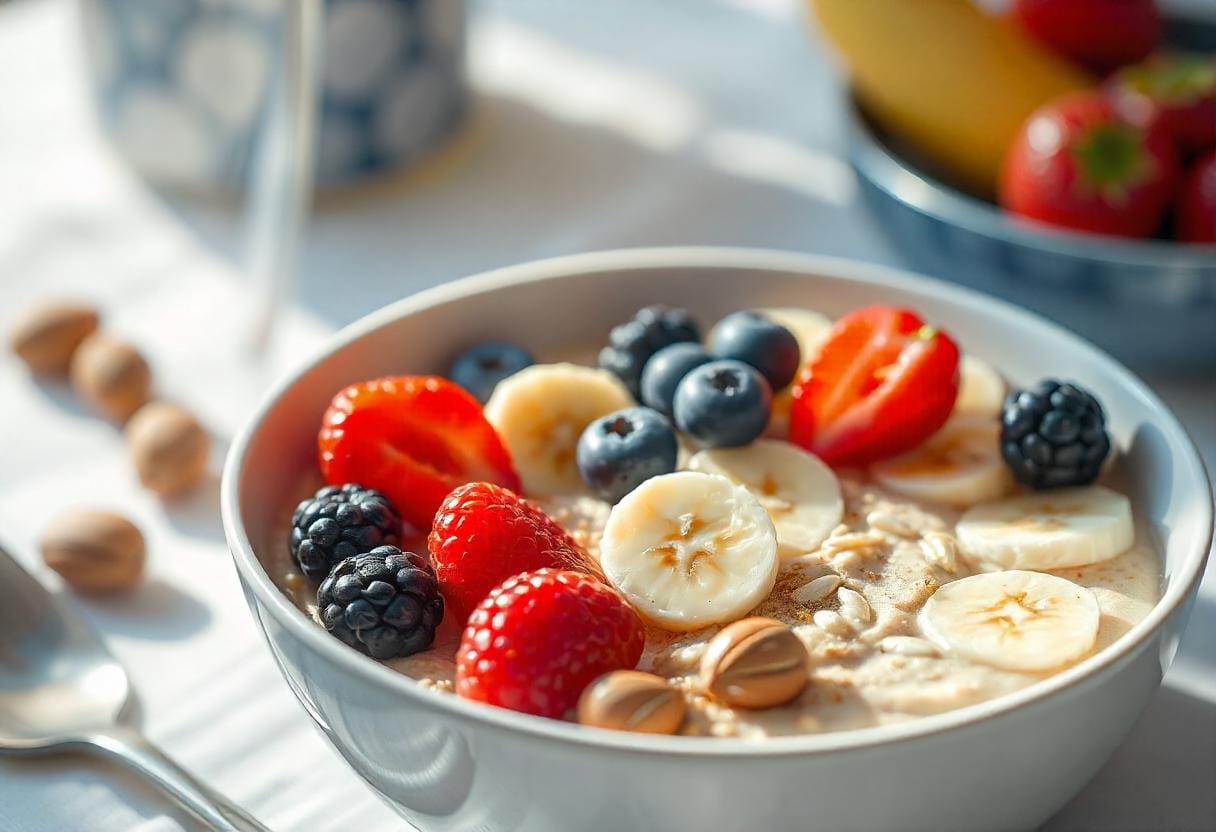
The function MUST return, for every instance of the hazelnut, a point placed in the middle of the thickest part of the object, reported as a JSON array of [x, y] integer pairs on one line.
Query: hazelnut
[[629, 700], [169, 447], [111, 376], [94, 551], [755, 663], [46, 336]]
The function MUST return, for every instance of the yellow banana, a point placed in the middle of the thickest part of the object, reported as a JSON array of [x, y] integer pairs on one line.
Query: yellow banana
[[951, 80]]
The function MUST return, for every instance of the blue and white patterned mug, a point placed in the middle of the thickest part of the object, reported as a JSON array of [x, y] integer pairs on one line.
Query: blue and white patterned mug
[[180, 84]]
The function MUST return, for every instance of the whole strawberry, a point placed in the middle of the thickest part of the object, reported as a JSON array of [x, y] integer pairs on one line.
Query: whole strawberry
[[483, 534], [1100, 35], [1176, 90], [1077, 163], [1195, 215], [541, 637]]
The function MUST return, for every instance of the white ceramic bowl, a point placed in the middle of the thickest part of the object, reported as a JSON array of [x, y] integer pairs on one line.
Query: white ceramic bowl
[[447, 764]]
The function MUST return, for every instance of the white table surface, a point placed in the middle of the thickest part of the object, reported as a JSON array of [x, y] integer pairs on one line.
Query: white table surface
[[599, 126]]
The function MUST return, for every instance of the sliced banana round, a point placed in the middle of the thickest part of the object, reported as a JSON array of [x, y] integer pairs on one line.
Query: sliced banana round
[[689, 550], [960, 465], [799, 491], [981, 390], [1048, 530], [1014, 620], [809, 327], [541, 411]]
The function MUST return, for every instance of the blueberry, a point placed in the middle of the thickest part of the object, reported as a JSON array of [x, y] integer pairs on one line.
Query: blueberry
[[759, 341], [723, 404], [631, 344], [665, 369], [620, 451], [479, 369]]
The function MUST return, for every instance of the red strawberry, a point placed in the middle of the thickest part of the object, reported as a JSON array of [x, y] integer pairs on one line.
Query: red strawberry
[[883, 382], [541, 637], [1098, 34], [1195, 218], [1178, 91], [1077, 163], [483, 534], [414, 438]]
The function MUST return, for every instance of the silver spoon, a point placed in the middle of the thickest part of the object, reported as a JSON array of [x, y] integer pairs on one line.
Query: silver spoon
[[61, 690]]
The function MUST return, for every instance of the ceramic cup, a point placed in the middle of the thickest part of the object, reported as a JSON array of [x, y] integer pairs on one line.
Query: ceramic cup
[[180, 85], [448, 764]]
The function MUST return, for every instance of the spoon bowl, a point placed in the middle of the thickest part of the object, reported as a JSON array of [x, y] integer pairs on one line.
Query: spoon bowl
[[56, 676], [62, 690]]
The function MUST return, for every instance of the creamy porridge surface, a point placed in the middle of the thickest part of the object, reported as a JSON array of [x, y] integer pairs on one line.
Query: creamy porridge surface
[[853, 602]]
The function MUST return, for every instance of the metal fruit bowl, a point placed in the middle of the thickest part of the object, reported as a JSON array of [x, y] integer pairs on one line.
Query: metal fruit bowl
[[1151, 303]]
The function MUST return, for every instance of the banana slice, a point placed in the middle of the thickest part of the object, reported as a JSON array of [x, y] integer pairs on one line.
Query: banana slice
[[1049, 530], [799, 492], [960, 465], [1014, 620], [689, 550], [810, 328], [981, 390], [541, 411]]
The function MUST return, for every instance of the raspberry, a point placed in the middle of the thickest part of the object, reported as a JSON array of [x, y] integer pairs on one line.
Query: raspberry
[[541, 637], [483, 534]]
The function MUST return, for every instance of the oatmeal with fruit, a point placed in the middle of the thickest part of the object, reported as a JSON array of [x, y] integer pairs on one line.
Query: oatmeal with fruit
[[796, 526]]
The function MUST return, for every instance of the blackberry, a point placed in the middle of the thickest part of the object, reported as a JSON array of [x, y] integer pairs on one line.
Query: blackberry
[[340, 521], [631, 344], [1053, 434], [384, 603]]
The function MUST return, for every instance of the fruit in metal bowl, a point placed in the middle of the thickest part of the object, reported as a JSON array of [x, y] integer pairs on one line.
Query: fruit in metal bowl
[[1078, 163], [1195, 213], [1099, 35], [1177, 90]]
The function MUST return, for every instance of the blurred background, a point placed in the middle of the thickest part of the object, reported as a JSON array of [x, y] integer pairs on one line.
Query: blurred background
[[155, 154]]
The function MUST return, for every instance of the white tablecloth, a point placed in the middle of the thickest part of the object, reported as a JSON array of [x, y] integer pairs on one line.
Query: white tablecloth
[[599, 126]]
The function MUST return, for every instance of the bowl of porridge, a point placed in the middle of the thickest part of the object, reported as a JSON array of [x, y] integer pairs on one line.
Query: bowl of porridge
[[682, 538]]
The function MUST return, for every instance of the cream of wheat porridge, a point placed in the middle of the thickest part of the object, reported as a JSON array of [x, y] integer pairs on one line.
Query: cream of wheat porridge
[[895, 553]]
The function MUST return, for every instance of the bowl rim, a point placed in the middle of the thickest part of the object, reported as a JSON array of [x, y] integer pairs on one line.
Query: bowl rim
[[525, 726], [904, 183]]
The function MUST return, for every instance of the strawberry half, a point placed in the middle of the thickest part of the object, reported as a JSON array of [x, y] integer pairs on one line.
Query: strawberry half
[[883, 382], [413, 438], [484, 534]]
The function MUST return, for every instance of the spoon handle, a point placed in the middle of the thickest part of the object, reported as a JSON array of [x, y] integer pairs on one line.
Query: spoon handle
[[131, 749]]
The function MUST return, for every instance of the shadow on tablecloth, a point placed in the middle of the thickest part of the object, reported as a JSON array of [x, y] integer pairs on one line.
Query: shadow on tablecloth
[[1161, 778]]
